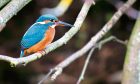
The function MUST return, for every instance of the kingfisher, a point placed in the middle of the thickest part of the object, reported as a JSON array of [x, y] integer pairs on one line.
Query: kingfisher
[[40, 34]]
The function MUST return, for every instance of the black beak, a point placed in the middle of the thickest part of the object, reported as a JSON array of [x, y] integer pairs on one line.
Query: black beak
[[60, 23]]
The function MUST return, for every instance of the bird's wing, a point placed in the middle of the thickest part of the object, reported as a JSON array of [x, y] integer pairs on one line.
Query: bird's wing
[[33, 35]]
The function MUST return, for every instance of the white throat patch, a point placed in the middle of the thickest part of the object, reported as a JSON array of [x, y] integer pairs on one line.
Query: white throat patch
[[53, 26]]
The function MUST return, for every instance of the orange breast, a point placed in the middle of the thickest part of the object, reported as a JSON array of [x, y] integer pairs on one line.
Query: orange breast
[[48, 38]]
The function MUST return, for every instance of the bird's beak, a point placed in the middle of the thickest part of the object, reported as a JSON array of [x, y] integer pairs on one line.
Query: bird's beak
[[60, 23]]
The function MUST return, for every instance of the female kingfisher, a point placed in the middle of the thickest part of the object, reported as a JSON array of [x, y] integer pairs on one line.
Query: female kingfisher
[[40, 34]]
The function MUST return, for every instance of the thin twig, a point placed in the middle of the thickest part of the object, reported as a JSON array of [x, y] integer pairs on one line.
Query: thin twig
[[109, 39], [98, 45], [46, 77], [85, 66]]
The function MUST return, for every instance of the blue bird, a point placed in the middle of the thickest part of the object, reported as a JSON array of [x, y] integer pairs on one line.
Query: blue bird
[[40, 34]]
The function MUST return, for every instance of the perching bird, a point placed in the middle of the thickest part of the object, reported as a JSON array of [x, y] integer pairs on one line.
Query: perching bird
[[40, 34]]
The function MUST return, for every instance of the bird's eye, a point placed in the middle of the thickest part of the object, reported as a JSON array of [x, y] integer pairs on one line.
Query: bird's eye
[[52, 20]]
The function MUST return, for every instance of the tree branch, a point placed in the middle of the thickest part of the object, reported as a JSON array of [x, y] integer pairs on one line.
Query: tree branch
[[98, 36], [55, 72], [3, 2], [94, 39], [10, 10], [56, 44]]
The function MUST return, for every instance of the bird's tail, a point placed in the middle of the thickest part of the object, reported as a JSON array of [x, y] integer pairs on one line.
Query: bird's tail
[[21, 53]]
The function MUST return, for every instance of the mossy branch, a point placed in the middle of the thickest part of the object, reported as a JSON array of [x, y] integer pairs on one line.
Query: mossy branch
[[131, 70]]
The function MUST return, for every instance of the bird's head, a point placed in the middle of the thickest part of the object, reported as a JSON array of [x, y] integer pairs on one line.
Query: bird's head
[[52, 21]]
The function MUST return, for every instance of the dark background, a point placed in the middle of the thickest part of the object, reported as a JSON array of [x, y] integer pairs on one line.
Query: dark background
[[103, 64]]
